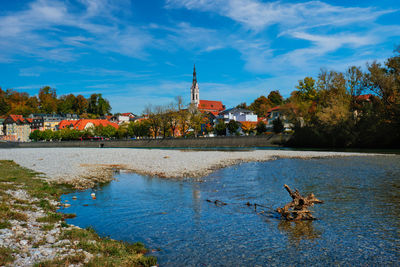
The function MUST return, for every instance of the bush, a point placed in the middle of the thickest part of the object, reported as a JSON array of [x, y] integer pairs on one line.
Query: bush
[[278, 125], [261, 127], [220, 128], [233, 126]]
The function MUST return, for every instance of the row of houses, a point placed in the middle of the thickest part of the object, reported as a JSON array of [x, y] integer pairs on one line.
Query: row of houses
[[16, 128]]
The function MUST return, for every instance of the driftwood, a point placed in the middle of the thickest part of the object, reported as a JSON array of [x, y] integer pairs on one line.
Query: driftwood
[[298, 208]]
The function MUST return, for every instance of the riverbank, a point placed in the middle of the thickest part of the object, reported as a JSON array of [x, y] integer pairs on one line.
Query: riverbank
[[85, 167], [32, 233], [201, 142]]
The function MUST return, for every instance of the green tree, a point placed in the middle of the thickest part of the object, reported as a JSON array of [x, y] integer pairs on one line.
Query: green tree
[[108, 131], [103, 106], [47, 135], [220, 128], [275, 98], [36, 135], [5, 107], [67, 104], [242, 105], [278, 125], [233, 126], [261, 127], [307, 89]]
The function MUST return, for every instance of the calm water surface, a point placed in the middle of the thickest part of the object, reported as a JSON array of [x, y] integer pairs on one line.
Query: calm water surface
[[359, 224]]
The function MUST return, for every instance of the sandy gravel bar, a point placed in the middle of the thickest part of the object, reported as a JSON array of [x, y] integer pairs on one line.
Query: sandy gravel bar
[[70, 164]]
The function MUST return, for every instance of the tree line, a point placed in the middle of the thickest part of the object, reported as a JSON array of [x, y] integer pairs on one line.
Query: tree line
[[21, 103], [354, 108]]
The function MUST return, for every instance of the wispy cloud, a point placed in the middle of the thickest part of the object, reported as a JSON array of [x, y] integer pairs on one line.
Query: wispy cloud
[[54, 30], [257, 15], [326, 28]]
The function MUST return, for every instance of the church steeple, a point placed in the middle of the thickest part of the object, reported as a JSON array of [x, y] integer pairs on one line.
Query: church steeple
[[194, 90], [194, 74]]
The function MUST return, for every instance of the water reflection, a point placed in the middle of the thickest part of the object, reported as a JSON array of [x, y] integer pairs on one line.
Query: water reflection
[[196, 202], [297, 231]]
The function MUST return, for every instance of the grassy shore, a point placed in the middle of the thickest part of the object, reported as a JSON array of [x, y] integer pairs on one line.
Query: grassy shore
[[32, 232]]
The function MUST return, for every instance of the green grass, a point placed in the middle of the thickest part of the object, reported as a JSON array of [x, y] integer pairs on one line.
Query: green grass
[[51, 217], [7, 214], [107, 252], [6, 256], [70, 259], [4, 224], [47, 227]]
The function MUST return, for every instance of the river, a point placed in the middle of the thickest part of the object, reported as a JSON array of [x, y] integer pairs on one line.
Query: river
[[359, 223]]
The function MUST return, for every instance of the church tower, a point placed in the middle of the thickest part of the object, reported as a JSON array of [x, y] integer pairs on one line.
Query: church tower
[[194, 90]]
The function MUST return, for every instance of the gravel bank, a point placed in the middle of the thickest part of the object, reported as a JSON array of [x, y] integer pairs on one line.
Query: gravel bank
[[85, 166]]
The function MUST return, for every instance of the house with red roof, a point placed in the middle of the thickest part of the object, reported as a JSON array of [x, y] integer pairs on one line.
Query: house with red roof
[[125, 118], [275, 113], [16, 128]]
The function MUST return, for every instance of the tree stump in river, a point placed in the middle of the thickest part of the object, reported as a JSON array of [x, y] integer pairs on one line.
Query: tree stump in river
[[298, 208]]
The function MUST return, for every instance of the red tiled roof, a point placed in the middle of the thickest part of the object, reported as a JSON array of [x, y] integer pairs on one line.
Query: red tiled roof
[[30, 120], [65, 124], [126, 114], [17, 118], [212, 106], [274, 108], [81, 124]]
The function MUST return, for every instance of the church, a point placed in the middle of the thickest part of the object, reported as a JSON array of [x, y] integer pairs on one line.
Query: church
[[204, 106]]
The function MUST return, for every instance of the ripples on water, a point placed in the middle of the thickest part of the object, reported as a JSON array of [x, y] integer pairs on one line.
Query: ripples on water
[[358, 224]]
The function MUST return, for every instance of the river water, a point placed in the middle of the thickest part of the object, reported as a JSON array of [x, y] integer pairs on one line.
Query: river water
[[359, 223]]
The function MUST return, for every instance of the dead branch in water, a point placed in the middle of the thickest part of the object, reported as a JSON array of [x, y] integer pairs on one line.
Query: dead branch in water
[[298, 208]]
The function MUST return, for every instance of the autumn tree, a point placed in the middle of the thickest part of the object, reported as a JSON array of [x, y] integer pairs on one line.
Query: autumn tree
[[275, 98], [260, 106], [48, 99], [81, 104], [195, 119], [248, 127], [154, 120]]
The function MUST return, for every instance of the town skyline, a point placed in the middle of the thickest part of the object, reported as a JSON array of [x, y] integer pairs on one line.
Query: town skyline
[[136, 53]]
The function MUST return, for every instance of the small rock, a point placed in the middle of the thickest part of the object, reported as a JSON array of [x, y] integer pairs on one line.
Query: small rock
[[50, 239]]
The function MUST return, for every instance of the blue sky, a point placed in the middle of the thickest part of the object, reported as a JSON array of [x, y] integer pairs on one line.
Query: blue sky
[[140, 52]]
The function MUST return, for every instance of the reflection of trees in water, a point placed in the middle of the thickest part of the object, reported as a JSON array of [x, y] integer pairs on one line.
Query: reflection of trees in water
[[299, 230]]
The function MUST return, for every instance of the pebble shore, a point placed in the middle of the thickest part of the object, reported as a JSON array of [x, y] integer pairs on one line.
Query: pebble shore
[[33, 243], [83, 167]]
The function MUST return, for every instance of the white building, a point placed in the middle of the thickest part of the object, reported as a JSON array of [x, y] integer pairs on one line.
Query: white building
[[125, 118], [275, 113], [237, 114]]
